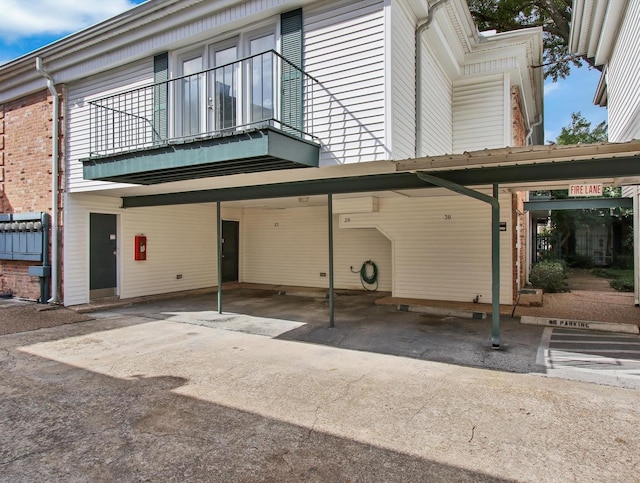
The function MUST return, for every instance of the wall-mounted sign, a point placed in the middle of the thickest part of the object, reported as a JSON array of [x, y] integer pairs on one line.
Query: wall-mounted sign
[[590, 189]]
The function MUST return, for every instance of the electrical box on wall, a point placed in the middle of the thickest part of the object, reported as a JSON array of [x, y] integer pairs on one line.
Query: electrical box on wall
[[140, 249]]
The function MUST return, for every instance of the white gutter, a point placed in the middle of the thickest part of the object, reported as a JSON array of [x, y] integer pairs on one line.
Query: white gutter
[[419, 31], [55, 155]]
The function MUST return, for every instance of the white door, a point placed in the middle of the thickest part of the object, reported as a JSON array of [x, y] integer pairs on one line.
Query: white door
[[224, 104]]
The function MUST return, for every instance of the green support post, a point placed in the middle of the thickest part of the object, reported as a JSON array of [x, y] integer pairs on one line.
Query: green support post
[[495, 270], [219, 235], [495, 243], [331, 299]]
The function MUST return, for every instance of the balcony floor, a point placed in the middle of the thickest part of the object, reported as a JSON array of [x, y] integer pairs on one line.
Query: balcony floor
[[255, 150]]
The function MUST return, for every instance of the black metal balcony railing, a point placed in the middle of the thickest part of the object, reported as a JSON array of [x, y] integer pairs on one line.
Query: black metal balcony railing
[[258, 91]]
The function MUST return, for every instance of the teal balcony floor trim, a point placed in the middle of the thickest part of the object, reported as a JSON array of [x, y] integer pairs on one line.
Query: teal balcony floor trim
[[578, 204], [263, 149]]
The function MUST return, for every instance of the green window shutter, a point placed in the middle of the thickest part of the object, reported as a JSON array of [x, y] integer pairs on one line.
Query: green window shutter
[[292, 88], [160, 96]]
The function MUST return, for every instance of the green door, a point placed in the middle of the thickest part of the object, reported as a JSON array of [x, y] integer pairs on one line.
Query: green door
[[102, 255], [230, 250]]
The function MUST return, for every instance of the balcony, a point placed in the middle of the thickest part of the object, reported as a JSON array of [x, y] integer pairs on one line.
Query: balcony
[[246, 116]]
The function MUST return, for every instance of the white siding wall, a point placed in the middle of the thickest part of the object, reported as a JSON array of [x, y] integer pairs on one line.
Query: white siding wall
[[77, 115], [181, 27], [344, 49], [480, 106], [402, 76], [436, 257], [623, 80], [420, 252], [290, 247], [181, 240], [437, 110]]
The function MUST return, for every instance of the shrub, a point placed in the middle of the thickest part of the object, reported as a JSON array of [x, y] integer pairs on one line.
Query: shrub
[[547, 255], [612, 273], [603, 273], [621, 280], [549, 276], [623, 284], [623, 262]]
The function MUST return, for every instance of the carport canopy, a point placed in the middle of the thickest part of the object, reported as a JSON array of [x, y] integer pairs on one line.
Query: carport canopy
[[525, 168], [531, 167]]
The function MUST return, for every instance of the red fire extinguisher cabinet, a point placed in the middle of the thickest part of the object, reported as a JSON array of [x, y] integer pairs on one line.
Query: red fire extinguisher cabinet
[[140, 252]]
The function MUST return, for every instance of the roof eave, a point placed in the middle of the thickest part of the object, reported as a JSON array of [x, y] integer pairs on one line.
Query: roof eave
[[594, 28]]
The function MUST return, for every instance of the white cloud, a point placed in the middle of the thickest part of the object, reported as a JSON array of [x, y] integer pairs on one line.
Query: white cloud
[[550, 136], [22, 18], [550, 87]]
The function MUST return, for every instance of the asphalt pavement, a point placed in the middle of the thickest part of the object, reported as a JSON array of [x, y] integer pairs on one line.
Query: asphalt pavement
[[267, 392]]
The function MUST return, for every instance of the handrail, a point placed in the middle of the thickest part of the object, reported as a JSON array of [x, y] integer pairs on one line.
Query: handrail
[[278, 92], [119, 111]]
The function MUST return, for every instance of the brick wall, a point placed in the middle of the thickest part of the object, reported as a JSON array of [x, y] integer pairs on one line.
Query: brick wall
[[25, 175], [518, 139], [519, 239], [518, 127]]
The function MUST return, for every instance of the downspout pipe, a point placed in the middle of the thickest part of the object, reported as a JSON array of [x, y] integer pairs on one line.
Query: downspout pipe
[[420, 29], [495, 243], [527, 141], [55, 155]]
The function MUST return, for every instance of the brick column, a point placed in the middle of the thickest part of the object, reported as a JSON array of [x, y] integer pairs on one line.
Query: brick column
[[25, 159]]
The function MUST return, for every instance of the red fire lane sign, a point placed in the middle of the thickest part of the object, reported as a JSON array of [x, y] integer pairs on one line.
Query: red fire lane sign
[[593, 189]]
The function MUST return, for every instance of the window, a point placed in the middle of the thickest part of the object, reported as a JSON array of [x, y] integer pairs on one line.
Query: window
[[190, 97], [217, 91], [261, 98]]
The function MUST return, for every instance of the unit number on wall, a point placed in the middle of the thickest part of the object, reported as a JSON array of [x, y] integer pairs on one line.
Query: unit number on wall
[[447, 217]]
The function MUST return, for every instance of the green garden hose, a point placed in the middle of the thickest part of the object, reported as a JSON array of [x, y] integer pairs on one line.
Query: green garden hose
[[367, 279]]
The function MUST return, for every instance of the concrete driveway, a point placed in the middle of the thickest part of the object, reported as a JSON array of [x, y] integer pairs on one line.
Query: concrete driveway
[[360, 324], [167, 392]]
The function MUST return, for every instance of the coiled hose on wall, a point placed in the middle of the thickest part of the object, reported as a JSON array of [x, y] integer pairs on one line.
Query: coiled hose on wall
[[365, 278]]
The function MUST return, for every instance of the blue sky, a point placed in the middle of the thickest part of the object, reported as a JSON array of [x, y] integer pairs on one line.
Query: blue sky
[[575, 93], [27, 25], [25, 28]]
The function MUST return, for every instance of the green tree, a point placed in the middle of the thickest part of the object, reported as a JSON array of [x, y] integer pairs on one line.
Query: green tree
[[565, 223], [579, 131], [554, 16]]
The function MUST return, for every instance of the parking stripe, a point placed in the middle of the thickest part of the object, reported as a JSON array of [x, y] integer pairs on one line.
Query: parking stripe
[[610, 356]]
